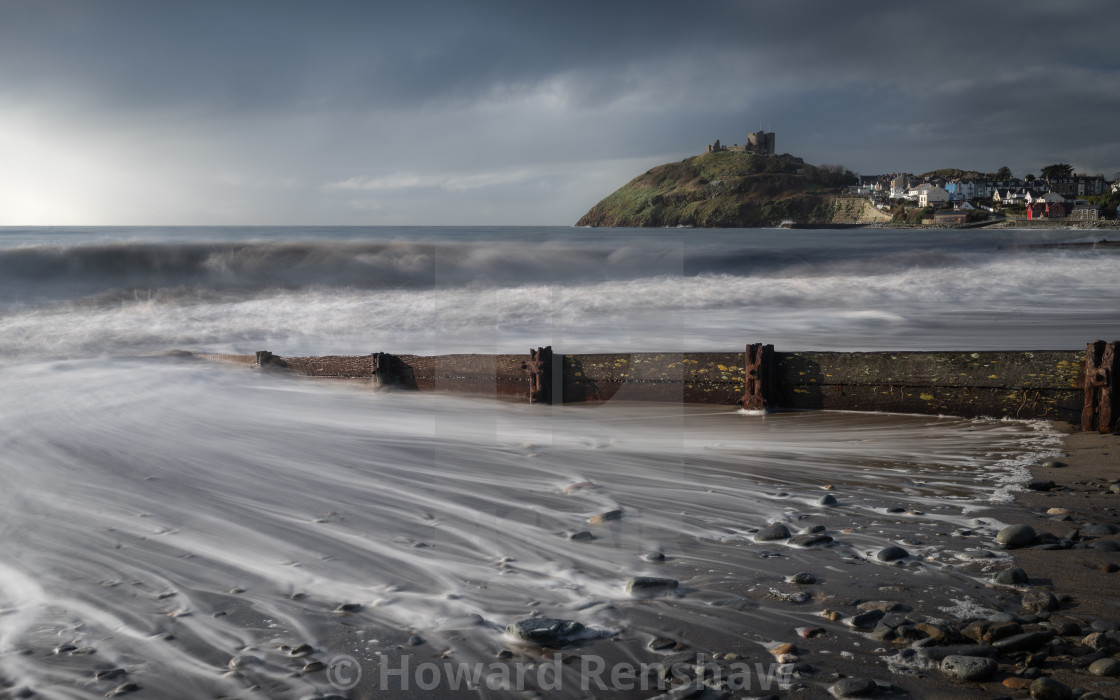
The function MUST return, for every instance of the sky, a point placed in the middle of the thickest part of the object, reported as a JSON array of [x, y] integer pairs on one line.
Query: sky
[[457, 112]]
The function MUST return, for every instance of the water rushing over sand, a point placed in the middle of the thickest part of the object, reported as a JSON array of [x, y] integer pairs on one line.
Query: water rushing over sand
[[237, 512], [162, 516]]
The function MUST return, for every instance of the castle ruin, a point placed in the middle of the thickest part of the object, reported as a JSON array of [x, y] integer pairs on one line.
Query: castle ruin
[[760, 142]]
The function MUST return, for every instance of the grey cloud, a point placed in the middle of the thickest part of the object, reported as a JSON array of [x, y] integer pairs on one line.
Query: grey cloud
[[289, 97]]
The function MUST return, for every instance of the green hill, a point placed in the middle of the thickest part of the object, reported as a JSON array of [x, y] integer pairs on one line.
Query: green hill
[[725, 189]]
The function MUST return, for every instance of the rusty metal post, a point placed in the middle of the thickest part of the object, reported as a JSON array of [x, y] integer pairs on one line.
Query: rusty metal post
[[267, 359], [539, 366], [381, 368], [1110, 392], [758, 392], [1101, 368]]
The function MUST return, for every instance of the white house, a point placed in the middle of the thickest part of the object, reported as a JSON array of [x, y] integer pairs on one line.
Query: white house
[[914, 194], [932, 196]]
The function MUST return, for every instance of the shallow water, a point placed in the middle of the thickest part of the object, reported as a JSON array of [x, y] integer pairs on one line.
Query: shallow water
[[166, 515], [139, 499]]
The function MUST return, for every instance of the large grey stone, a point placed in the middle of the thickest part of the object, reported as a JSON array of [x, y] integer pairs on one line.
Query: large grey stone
[[969, 668], [810, 540], [1023, 642], [1099, 530], [1016, 536], [1105, 667], [866, 620], [854, 688], [1037, 600], [776, 531], [1050, 689], [892, 553], [550, 632], [1011, 577], [650, 587]]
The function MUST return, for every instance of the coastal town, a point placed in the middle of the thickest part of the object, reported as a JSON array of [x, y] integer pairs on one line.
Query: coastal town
[[1057, 196], [954, 197]]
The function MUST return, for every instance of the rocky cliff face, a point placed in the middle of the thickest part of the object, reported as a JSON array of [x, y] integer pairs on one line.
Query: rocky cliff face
[[726, 189]]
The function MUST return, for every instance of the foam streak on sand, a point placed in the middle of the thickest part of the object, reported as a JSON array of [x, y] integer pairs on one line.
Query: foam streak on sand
[[146, 492]]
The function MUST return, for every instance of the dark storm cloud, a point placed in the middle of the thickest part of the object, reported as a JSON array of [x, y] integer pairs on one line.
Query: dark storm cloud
[[350, 112]]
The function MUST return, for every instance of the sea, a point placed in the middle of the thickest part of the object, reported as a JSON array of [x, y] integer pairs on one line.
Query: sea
[[177, 528]]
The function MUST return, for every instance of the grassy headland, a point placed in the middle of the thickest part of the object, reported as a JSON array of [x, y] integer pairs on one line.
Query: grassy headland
[[724, 189]]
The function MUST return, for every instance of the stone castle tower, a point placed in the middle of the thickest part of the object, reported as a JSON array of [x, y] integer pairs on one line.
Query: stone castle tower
[[760, 142]]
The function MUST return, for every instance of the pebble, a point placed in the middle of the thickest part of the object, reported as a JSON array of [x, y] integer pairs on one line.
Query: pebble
[[1099, 530], [312, 666], [1105, 546], [976, 554], [866, 620], [1001, 630], [653, 556], [578, 487], [892, 553], [854, 688], [1011, 577], [606, 517], [810, 540], [415, 640], [1109, 667], [243, 661], [109, 674], [827, 500], [1096, 641], [301, 650], [1023, 642], [547, 631], [125, 688], [968, 668], [1037, 600], [1050, 689], [1016, 535], [649, 586], [1053, 464], [775, 531], [581, 536], [787, 648], [1104, 625], [1115, 488], [348, 608], [662, 644], [804, 579]]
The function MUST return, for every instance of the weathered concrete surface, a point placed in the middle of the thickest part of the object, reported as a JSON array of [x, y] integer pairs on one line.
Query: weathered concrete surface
[[1017, 384]]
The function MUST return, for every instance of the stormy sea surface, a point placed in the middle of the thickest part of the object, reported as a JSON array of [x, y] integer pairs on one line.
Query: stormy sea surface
[[172, 528]]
